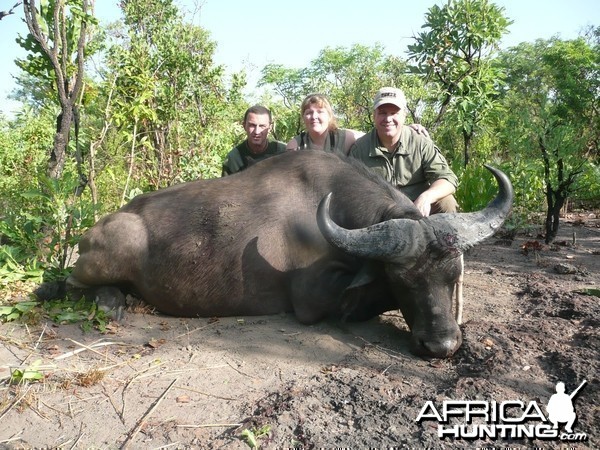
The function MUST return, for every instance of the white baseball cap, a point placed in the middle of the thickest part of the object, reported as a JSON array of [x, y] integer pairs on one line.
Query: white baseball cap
[[391, 95]]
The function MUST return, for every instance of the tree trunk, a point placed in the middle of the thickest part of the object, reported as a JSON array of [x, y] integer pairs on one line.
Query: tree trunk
[[69, 80], [467, 137], [131, 162], [56, 163], [555, 200]]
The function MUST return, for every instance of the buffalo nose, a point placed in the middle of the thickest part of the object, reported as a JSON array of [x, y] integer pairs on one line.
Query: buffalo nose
[[438, 348]]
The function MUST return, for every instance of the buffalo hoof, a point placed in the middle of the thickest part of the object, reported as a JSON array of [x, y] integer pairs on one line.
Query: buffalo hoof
[[51, 290], [110, 300]]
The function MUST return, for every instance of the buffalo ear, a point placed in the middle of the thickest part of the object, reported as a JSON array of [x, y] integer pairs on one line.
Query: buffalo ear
[[365, 275]]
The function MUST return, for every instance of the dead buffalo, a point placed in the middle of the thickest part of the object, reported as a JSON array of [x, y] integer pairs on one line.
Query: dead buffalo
[[308, 232]]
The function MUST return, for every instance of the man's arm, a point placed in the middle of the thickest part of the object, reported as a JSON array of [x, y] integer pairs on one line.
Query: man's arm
[[439, 189]]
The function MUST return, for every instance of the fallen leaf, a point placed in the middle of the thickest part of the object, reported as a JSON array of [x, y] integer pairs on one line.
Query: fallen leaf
[[155, 343], [53, 349], [437, 363], [112, 328], [487, 342], [531, 246]]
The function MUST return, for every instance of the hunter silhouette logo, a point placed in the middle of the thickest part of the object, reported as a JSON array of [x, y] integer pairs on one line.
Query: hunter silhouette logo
[[509, 419], [560, 406]]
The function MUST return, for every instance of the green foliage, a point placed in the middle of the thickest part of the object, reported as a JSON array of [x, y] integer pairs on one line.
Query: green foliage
[[201, 165], [83, 311], [34, 208], [37, 62], [286, 120], [453, 56], [348, 76], [458, 37], [16, 265], [24, 143], [63, 311], [589, 291], [171, 105], [528, 184], [252, 437], [554, 116], [57, 49], [40, 236], [587, 187], [16, 311], [478, 187], [30, 374]]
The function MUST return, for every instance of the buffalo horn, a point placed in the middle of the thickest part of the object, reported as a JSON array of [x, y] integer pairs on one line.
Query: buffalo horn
[[397, 239]]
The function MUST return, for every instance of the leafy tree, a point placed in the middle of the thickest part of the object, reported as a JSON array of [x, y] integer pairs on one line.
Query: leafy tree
[[167, 94], [453, 57], [10, 11], [352, 76], [348, 76], [57, 45], [58, 32], [38, 212], [165, 101], [553, 94]]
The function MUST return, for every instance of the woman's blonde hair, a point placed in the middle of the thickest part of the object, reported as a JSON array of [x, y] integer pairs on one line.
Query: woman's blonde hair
[[321, 101]]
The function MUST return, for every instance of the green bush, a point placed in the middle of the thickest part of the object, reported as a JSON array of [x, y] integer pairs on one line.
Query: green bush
[[478, 187], [42, 231]]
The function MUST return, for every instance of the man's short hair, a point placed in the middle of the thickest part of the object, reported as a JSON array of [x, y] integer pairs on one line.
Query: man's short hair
[[258, 109]]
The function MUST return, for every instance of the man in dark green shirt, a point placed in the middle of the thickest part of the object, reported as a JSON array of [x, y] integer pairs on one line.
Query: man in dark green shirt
[[407, 159], [258, 122]]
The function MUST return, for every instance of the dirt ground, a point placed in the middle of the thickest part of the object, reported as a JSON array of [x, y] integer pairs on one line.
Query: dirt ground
[[156, 382]]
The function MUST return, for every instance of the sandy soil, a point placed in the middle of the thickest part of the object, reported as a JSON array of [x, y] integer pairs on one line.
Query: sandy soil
[[162, 382]]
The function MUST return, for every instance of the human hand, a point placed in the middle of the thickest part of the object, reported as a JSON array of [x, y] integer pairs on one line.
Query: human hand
[[423, 204], [420, 129]]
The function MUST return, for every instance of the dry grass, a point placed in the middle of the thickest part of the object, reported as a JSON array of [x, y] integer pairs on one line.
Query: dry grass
[[62, 371], [138, 306], [16, 291], [85, 378], [90, 377]]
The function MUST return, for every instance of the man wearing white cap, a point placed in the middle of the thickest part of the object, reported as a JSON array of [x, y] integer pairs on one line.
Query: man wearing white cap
[[407, 159]]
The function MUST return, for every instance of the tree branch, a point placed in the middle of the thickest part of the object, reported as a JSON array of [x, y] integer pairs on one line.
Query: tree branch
[[3, 14]]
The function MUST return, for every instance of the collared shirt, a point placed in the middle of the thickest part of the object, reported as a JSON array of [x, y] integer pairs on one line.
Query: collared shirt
[[241, 156], [412, 168]]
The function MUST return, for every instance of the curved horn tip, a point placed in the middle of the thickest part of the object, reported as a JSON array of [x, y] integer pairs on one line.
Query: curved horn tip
[[325, 202], [502, 179], [474, 227], [323, 208], [495, 171]]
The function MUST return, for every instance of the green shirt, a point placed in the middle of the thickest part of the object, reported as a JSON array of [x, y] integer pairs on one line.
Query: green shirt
[[412, 168], [335, 141], [241, 156]]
